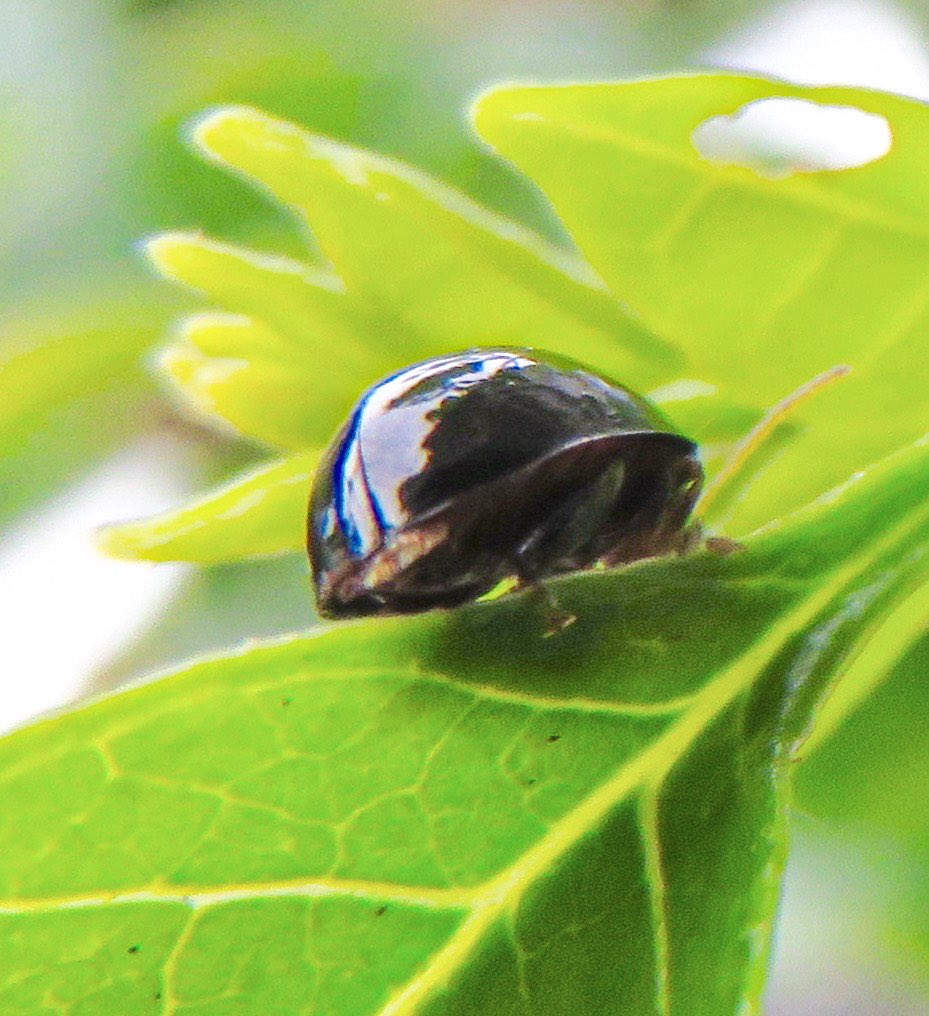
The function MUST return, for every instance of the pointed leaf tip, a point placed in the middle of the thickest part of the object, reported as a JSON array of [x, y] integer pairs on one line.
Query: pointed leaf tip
[[256, 146], [164, 251], [259, 513], [497, 104], [204, 129]]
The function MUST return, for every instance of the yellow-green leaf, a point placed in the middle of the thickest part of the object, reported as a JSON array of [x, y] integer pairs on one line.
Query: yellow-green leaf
[[760, 282], [258, 514], [420, 270]]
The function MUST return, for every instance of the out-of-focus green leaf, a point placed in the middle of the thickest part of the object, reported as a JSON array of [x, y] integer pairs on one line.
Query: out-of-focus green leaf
[[256, 515], [837, 781], [865, 783], [71, 388], [46, 362], [761, 282], [285, 366], [442, 265], [457, 813]]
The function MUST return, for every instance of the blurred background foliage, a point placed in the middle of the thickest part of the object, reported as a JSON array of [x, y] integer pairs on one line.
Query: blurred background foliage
[[94, 99]]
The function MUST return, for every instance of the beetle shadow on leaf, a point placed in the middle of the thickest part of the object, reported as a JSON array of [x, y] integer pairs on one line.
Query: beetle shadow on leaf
[[645, 634]]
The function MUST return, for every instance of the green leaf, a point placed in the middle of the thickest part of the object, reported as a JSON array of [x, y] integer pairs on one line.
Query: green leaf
[[259, 514], [71, 386], [761, 283], [420, 269], [466, 275], [457, 813], [236, 370], [865, 785], [260, 367]]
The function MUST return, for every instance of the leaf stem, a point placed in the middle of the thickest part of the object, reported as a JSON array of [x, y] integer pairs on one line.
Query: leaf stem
[[728, 481]]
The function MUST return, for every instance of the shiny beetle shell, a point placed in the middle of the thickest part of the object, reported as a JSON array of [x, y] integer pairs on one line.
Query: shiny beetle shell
[[466, 469]]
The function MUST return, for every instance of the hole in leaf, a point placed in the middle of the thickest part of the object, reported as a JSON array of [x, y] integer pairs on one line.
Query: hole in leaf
[[777, 137]]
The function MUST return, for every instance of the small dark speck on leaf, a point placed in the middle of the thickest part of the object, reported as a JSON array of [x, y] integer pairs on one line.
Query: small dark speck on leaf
[[530, 781], [380, 911], [285, 702], [133, 949], [157, 996], [552, 738]]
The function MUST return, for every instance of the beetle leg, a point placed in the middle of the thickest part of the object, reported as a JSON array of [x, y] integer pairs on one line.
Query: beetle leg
[[562, 542], [722, 546], [556, 617]]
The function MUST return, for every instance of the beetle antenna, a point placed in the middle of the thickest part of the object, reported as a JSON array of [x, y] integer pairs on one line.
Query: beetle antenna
[[720, 490]]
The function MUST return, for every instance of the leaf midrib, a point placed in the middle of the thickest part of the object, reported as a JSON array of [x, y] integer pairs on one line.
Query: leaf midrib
[[197, 896], [652, 766]]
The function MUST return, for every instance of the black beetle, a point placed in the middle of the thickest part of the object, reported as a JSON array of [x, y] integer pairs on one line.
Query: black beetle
[[466, 469]]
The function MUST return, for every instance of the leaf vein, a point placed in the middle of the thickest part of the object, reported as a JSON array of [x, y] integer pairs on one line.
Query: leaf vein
[[652, 765], [654, 867], [800, 191]]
